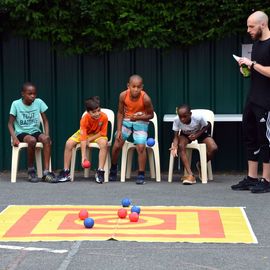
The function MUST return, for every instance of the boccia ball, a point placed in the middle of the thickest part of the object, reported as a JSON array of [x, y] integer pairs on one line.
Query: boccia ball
[[126, 202], [150, 142], [86, 164], [136, 209], [122, 213], [88, 223], [83, 214], [133, 217]]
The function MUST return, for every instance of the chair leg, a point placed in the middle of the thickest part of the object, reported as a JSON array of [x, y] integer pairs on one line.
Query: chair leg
[[150, 153], [170, 173], [203, 161], [14, 163], [72, 164], [38, 161], [124, 162], [130, 153], [106, 167], [157, 163], [209, 170], [86, 172]]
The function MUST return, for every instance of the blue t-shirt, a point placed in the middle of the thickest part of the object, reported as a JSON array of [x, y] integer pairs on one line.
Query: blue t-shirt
[[27, 117]]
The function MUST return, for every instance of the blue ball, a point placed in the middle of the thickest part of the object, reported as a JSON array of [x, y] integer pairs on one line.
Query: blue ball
[[126, 202], [136, 209], [89, 223], [150, 142]]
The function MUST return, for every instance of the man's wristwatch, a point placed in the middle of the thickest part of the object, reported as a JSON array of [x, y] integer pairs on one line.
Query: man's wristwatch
[[253, 64]]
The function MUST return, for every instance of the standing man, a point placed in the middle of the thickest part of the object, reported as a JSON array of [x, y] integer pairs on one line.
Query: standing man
[[256, 115], [135, 109]]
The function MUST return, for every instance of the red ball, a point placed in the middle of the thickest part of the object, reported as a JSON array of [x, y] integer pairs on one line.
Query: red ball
[[83, 214], [133, 217], [122, 213], [86, 164]]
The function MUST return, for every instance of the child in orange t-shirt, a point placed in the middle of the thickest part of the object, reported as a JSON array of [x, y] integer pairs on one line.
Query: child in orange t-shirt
[[93, 128]]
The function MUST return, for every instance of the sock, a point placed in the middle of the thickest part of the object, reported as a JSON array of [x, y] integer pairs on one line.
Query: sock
[[31, 169], [141, 173], [114, 167], [66, 170], [45, 172], [252, 179]]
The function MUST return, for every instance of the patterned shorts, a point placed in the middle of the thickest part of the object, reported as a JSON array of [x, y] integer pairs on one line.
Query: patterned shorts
[[138, 129]]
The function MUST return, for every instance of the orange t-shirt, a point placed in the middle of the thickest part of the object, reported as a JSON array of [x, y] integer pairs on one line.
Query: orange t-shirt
[[89, 125], [133, 106]]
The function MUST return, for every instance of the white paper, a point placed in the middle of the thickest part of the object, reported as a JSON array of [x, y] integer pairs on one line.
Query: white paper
[[237, 58]]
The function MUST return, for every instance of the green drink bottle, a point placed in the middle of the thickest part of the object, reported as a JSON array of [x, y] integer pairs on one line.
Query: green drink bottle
[[245, 70]]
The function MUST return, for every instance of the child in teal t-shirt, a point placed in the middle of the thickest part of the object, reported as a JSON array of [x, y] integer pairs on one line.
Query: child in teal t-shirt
[[24, 126]]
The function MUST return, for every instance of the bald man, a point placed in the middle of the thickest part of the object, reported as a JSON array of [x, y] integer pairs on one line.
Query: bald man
[[256, 117]]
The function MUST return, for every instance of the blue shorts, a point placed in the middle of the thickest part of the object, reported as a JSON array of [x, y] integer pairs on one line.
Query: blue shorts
[[138, 129]]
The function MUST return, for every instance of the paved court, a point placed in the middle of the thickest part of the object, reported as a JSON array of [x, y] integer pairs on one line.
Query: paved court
[[136, 255]]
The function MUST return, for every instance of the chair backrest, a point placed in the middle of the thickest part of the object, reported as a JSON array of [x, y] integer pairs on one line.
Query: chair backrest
[[110, 115], [208, 115], [155, 124]]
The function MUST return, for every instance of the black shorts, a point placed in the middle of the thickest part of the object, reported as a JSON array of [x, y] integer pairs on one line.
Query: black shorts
[[22, 135], [201, 138]]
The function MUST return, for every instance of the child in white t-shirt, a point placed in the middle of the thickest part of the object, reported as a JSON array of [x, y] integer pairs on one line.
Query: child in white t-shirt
[[24, 126], [188, 127]]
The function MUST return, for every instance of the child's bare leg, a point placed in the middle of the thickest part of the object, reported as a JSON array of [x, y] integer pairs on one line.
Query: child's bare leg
[[211, 147], [70, 144], [103, 145], [183, 141], [30, 149], [46, 150], [141, 156], [117, 146]]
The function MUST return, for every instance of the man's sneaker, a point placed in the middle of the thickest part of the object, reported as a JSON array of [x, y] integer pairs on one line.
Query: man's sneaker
[[113, 175], [32, 176], [261, 187], [140, 180], [64, 176], [99, 176], [189, 180], [245, 184], [50, 178]]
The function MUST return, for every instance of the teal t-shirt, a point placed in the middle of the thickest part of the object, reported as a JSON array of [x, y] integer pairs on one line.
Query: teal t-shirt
[[27, 117]]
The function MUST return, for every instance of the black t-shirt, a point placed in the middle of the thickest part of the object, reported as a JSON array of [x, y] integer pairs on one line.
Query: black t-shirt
[[260, 85]]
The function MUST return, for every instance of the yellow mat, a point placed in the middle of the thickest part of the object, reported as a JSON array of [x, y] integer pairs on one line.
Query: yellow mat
[[25, 223]]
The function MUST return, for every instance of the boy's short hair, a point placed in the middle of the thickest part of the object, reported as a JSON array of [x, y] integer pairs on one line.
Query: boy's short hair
[[184, 106], [92, 103], [26, 84]]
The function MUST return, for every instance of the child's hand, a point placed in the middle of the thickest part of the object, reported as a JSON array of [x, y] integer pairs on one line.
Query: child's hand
[[174, 151], [16, 142], [192, 137]]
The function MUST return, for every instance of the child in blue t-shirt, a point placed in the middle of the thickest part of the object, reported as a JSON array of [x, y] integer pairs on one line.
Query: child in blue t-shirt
[[24, 126]]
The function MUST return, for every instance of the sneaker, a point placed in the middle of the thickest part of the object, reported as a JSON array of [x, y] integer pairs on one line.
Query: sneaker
[[113, 175], [64, 176], [245, 184], [262, 186], [140, 180], [32, 176], [50, 178], [99, 176], [189, 180]]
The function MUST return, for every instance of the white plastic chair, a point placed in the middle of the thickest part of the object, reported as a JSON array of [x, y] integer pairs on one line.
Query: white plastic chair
[[110, 115], [16, 154], [206, 167], [153, 156]]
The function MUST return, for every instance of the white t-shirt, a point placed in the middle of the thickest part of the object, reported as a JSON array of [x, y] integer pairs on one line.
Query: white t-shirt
[[197, 123]]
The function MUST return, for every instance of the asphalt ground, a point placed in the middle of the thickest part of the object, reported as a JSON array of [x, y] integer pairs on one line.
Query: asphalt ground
[[137, 255]]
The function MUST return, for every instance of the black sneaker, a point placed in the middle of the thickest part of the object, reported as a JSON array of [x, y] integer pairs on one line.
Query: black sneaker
[[64, 176], [50, 178], [99, 176], [32, 176], [140, 180], [245, 184], [113, 175], [261, 187]]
